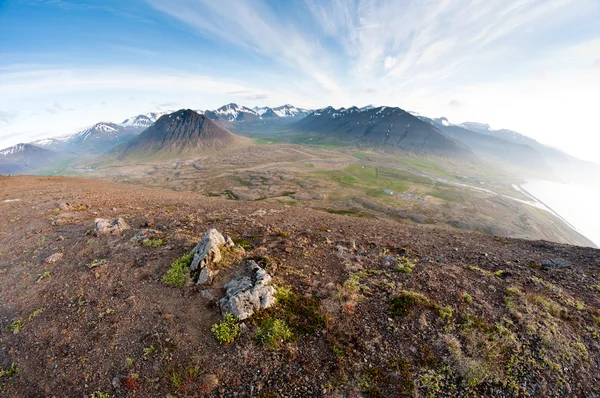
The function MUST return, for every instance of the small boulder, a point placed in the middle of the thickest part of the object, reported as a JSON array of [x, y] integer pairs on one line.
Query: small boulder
[[207, 252], [105, 226], [54, 258], [248, 292], [555, 263]]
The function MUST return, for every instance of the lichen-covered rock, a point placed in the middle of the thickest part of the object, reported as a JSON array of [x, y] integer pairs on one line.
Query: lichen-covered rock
[[105, 226], [206, 253], [248, 293]]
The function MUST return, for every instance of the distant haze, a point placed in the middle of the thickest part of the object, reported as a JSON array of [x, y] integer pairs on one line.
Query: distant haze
[[577, 204], [530, 66]]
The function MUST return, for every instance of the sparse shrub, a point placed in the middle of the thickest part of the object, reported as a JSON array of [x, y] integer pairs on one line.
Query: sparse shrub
[[446, 312], [149, 351], [466, 297], [156, 242], [180, 269], [36, 313], [405, 265], [15, 325], [597, 288], [9, 372], [500, 273], [44, 275], [273, 332], [227, 330]]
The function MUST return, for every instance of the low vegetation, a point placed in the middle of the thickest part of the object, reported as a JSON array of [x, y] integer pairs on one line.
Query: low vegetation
[[179, 272], [227, 330]]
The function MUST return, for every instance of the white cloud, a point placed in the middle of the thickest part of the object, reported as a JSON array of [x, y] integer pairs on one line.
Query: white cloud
[[389, 62]]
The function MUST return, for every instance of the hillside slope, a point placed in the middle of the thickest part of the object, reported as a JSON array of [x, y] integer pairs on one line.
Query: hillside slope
[[365, 307]]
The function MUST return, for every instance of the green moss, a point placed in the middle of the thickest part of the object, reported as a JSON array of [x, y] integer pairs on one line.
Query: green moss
[[227, 330], [405, 265], [273, 332], [156, 242], [180, 269], [242, 243], [300, 313], [99, 394], [403, 304]]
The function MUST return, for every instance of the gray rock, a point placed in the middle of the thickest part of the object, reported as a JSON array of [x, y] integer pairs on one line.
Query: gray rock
[[206, 276], [207, 252], [105, 226], [555, 263], [54, 258], [248, 293], [389, 261]]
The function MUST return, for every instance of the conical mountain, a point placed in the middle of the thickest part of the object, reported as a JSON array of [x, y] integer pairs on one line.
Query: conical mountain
[[182, 133]]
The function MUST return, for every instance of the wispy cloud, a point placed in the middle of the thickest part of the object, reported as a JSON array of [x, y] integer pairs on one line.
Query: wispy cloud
[[7, 116], [254, 26]]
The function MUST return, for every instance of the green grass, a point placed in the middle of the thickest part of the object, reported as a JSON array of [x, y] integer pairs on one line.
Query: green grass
[[318, 141], [267, 141], [428, 166], [180, 269]]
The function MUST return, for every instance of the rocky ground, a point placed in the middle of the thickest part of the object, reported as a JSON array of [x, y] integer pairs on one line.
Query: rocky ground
[[364, 307]]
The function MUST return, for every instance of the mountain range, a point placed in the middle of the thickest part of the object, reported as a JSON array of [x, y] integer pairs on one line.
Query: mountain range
[[388, 128], [384, 128]]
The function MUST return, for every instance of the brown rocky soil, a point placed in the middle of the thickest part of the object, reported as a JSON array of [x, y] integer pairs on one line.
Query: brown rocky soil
[[374, 308]]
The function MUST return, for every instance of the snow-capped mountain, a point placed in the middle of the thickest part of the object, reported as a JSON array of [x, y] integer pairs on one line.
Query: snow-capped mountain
[[233, 113], [13, 150], [99, 138], [23, 158], [143, 121], [285, 111], [381, 127]]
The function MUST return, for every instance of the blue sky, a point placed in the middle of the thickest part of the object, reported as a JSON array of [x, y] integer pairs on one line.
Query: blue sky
[[529, 65]]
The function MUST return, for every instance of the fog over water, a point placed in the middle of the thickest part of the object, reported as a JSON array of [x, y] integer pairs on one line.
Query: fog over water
[[579, 205]]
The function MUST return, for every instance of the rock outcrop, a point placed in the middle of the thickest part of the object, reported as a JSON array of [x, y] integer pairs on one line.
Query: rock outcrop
[[206, 253], [249, 292], [105, 226]]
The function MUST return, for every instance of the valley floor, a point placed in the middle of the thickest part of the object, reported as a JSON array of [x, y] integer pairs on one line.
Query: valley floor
[[403, 187], [373, 307]]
